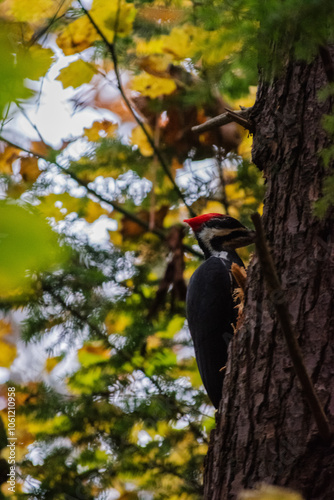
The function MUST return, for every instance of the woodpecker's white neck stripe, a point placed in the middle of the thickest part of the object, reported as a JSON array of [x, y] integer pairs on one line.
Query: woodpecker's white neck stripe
[[221, 254]]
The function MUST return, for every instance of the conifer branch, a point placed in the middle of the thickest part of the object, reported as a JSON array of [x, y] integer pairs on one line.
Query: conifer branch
[[280, 304], [112, 50], [113, 204], [123, 354]]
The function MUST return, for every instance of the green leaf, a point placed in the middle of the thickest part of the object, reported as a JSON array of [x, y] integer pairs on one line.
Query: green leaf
[[27, 245]]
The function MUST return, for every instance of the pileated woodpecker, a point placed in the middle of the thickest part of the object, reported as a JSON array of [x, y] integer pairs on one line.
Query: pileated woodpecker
[[210, 308]]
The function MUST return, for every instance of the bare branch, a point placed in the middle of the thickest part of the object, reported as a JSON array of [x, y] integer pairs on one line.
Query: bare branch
[[275, 289], [230, 116]]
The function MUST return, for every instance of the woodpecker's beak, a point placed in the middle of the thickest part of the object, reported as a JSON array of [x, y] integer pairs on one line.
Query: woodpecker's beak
[[243, 238]]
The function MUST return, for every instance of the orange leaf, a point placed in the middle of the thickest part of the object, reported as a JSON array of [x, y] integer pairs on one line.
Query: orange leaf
[[29, 168], [7, 157], [161, 14], [39, 148]]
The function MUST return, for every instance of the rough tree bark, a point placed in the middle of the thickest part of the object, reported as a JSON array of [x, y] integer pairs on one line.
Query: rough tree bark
[[265, 430]]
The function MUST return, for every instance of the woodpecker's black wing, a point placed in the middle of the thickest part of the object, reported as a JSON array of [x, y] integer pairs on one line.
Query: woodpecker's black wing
[[210, 312]]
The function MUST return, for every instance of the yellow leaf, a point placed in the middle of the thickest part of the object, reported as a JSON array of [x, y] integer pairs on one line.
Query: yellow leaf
[[151, 46], [31, 11], [38, 61], [156, 64], [134, 433], [217, 47], [117, 324], [81, 34], [184, 42], [113, 17], [29, 168], [22, 432], [153, 86], [116, 238], [7, 349], [214, 207], [93, 353], [173, 217], [138, 138], [67, 202], [77, 36], [260, 209], [247, 101], [51, 363], [245, 147], [75, 74], [94, 211], [94, 170], [100, 129], [153, 342]]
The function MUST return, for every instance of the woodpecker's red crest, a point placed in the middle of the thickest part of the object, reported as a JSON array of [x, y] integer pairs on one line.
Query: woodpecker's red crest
[[196, 222]]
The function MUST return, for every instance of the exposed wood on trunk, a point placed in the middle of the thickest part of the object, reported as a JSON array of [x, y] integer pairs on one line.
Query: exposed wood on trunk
[[265, 430]]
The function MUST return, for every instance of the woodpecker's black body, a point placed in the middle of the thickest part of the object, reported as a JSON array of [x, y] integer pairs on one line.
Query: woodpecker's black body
[[210, 306]]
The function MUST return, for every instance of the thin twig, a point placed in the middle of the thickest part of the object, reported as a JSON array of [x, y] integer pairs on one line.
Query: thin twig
[[219, 161], [43, 31], [111, 48], [113, 204], [240, 116], [26, 116], [280, 304]]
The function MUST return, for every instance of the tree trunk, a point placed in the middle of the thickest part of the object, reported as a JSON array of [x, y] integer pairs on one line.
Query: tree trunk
[[265, 430]]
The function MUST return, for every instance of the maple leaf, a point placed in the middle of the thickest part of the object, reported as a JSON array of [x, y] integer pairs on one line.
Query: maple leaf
[[27, 11], [77, 73], [77, 36], [153, 86]]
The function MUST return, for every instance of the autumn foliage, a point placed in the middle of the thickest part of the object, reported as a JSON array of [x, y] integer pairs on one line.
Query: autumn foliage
[[96, 260]]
